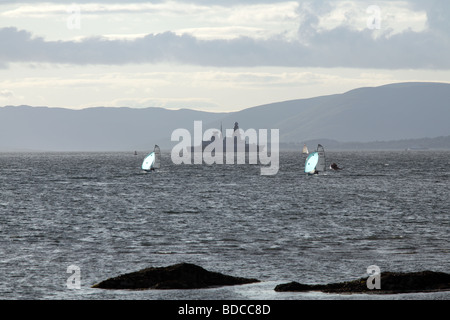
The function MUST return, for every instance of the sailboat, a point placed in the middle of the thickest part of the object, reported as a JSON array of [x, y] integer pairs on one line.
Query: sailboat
[[157, 151], [305, 149], [153, 160], [315, 162]]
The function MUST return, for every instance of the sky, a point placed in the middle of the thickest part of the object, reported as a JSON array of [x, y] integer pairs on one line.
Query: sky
[[211, 55]]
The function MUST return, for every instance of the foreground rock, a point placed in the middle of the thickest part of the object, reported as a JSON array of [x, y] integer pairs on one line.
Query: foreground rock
[[179, 276], [390, 282]]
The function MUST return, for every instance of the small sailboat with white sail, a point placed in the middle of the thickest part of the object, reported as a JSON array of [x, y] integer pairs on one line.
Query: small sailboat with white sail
[[153, 160], [305, 149], [315, 162]]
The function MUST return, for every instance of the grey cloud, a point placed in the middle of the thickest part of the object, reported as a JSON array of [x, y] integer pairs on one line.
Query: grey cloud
[[339, 47], [402, 51], [438, 13]]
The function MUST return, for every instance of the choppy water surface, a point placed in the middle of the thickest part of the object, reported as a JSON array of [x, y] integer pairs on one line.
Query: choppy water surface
[[99, 211]]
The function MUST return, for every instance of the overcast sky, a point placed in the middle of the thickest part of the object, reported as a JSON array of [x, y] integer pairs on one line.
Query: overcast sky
[[214, 55]]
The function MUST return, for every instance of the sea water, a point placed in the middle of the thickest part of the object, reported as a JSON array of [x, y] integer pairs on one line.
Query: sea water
[[101, 213]]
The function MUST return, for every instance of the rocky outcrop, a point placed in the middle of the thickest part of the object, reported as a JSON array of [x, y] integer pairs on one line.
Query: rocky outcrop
[[390, 282], [179, 276]]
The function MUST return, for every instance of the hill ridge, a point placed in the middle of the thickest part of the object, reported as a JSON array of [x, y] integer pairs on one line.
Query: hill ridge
[[399, 111]]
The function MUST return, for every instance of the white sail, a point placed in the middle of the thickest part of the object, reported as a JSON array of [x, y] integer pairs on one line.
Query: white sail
[[157, 152], [311, 162], [321, 163], [148, 162], [305, 149]]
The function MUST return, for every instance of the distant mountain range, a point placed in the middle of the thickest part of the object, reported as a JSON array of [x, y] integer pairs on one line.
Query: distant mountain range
[[397, 116]]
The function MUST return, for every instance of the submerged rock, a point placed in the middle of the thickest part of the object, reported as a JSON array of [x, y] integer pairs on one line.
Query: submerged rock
[[391, 282], [179, 276]]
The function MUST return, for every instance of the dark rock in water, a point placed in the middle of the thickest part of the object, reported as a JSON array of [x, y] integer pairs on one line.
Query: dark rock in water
[[390, 282], [179, 276], [293, 286]]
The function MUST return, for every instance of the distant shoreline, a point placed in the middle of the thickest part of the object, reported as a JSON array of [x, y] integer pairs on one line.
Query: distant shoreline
[[420, 144], [441, 143], [167, 151]]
